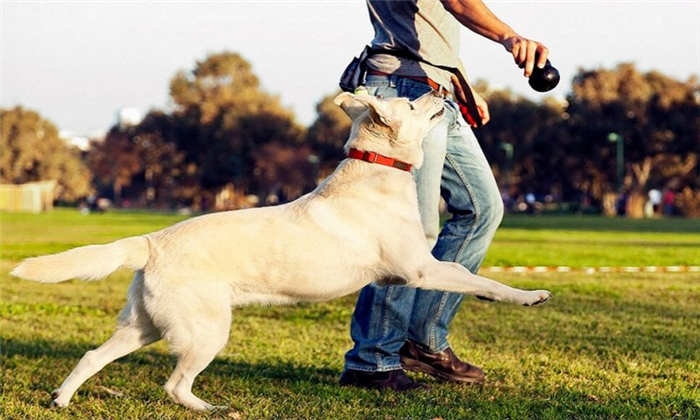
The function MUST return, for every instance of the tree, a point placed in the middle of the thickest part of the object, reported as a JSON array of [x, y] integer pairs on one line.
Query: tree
[[33, 151], [658, 119], [563, 148], [283, 171], [145, 160], [163, 165], [223, 116], [115, 160], [220, 118], [530, 131], [328, 134]]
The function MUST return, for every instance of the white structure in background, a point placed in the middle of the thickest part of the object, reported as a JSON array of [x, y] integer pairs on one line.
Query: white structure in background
[[72, 139], [126, 117], [129, 117], [32, 197], [97, 135]]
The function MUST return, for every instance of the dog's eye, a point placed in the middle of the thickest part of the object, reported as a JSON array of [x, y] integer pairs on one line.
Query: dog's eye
[[412, 107]]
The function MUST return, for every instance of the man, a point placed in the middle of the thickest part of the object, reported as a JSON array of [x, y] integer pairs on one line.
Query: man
[[398, 327]]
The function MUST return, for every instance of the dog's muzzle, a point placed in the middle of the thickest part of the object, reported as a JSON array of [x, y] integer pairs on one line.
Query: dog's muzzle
[[438, 114]]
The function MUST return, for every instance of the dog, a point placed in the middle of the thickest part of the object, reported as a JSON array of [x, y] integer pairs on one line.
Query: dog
[[361, 225]]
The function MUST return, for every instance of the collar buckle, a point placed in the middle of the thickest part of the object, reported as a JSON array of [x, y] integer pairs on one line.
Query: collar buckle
[[370, 157], [374, 157]]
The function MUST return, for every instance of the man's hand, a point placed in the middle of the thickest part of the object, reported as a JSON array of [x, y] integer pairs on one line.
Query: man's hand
[[477, 17], [524, 51], [482, 107], [480, 103]]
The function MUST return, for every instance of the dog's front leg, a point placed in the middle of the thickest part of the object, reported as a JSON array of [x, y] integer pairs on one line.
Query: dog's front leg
[[452, 277]]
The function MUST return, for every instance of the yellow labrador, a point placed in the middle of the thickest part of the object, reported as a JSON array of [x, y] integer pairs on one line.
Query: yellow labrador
[[361, 225]]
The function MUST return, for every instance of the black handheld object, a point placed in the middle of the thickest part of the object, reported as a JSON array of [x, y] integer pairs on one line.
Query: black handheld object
[[544, 79]]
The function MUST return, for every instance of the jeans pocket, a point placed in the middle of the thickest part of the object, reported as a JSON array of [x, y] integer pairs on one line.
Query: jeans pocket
[[412, 89], [377, 80], [381, 86]]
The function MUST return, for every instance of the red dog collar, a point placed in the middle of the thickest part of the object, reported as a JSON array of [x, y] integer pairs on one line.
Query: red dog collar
[[372, 157]]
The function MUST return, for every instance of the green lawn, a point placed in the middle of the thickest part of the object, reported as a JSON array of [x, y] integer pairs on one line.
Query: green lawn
[[607, 345], [595, 242]]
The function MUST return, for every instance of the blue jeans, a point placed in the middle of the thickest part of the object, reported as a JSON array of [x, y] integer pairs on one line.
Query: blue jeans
[[456, 168]]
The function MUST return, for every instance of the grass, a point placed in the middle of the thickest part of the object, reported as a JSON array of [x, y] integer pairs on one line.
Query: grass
[[595, 242], [607, 346]]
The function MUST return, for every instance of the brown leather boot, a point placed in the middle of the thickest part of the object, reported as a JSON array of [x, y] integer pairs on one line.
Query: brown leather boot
[[444, 365]]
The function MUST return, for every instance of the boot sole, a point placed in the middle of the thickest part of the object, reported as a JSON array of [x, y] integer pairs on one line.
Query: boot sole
[[420, 367]]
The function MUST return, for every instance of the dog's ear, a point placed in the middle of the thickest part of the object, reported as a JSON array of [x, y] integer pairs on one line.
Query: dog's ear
[[356, 105]]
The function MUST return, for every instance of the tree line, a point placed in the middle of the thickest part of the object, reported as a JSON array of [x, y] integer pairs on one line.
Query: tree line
[[226, 142]]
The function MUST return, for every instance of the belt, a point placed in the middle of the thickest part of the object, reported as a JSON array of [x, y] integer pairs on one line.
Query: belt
[[427, 80]]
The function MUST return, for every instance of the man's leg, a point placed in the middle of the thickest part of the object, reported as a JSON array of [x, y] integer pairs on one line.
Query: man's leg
[[382, 315], [474, 201], [378, 328]]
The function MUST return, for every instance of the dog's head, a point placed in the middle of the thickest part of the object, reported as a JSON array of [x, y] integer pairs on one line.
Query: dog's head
[[393, 127]]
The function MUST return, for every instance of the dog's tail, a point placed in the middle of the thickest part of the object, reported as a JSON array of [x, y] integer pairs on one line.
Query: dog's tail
[[91, 262]]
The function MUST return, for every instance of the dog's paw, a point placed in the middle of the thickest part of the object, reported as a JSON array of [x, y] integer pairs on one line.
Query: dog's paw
[[536, 297], [56, 401], [56, 404]]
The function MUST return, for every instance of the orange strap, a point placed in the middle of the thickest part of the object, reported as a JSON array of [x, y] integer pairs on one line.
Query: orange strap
[[372, 157]]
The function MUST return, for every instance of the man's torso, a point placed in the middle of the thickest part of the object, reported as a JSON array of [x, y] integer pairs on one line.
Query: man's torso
[[421, 28]]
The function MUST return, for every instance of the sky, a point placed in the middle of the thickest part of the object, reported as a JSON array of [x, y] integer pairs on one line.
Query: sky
[[77, 63]]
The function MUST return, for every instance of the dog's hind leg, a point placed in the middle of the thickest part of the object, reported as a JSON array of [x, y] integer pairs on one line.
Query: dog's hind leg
[[196, 341], [126, 340], [452, 277], [135, 331]]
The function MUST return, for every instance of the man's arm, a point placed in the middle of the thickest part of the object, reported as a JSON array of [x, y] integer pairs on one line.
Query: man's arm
[[479, 19]]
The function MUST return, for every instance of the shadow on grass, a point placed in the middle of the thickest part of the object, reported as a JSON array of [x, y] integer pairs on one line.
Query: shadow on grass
[[40, 350], [316, 389]]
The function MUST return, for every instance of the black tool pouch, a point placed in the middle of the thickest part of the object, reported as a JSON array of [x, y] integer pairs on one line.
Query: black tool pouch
[[355, 72]]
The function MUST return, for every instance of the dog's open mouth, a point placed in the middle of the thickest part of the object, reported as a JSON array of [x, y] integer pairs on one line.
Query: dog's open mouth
[[438, 114]]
